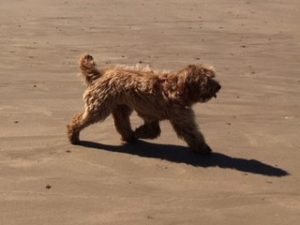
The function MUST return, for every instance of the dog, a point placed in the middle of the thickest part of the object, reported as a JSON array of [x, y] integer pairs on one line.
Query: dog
[[154, 95]]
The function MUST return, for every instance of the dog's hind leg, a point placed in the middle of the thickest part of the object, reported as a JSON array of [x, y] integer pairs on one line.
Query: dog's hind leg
[[185, 126], [149, 130], [82, 120], [121, 115]]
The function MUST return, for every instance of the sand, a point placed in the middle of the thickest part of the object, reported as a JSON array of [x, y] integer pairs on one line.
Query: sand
[[253, 126]]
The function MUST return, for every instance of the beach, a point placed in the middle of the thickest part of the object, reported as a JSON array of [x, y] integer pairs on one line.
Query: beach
[[253, 126]]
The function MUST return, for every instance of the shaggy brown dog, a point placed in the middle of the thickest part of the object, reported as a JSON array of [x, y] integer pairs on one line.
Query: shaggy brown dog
[[154, 95]]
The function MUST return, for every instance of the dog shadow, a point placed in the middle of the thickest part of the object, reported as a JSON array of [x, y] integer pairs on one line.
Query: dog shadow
[[180, 154]]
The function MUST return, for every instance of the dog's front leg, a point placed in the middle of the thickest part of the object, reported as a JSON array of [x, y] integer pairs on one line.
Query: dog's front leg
[[183, 122]]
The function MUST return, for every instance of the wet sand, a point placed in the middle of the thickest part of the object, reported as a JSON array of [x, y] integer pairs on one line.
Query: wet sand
[[253, 126]]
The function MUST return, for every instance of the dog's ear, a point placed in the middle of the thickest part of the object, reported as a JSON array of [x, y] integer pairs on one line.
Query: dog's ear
[[184, 79], [192, 78]]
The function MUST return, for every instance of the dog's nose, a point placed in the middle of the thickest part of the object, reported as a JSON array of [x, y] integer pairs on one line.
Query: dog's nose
[[218, 87]]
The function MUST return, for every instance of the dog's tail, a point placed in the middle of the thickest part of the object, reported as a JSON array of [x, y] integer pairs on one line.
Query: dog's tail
[[88, 69]]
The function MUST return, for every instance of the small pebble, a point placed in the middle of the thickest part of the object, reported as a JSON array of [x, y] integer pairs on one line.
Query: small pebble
[[150, 217], [48, 186]]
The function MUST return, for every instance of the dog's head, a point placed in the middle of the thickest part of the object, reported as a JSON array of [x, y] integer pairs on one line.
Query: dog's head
[[198, 83]]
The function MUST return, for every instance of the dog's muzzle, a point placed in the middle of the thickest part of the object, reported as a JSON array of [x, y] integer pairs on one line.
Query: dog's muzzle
[[218, 87]]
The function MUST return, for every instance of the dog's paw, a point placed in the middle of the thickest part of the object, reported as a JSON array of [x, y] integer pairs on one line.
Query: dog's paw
[[145, 132], [203, 150], [72, 136], [129, 140], [148, 130], [74, 139]]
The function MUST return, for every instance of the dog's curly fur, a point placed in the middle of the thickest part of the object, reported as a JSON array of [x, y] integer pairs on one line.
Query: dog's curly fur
[[154, 95]]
